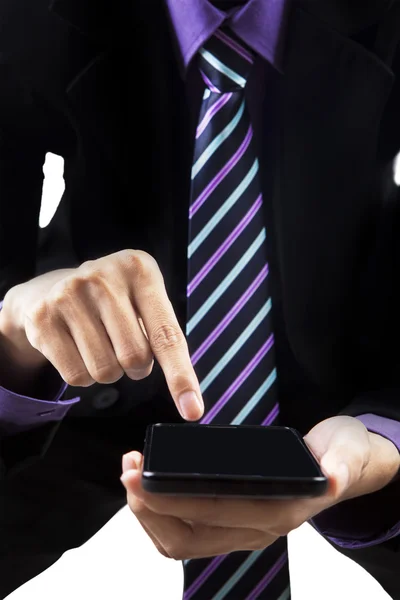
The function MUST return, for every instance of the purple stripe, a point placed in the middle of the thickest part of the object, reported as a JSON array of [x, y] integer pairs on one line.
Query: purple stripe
[[220, 176], [209, 83], [210, 264], [272, 416], [215, 108], [266, 580], [230, 316], [238, 381], [214, 564], [234, 45]]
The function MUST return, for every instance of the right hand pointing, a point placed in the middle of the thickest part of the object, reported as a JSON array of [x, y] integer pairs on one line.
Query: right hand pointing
[[107, 317]]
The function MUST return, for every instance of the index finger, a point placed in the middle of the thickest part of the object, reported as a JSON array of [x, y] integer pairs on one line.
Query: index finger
[[169, 346]]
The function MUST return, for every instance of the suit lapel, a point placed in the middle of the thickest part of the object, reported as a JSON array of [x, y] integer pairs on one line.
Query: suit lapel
[[331, 99], [127, 77]]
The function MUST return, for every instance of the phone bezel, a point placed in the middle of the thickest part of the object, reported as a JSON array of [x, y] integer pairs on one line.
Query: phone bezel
[[199, 484]]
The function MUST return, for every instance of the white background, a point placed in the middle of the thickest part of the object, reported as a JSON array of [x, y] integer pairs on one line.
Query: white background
[[120, 562]]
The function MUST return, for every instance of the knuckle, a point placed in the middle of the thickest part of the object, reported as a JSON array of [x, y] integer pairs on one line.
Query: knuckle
[[87, 267], [79, 282], [78, 286], [64, 292], [77, 378], [139, 359], [177, 551], [166, 337], [139, 263], [107, 373], [40, 321], [38, 314]]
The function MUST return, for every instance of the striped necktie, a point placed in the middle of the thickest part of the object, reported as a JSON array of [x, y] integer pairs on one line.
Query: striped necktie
[[229, 328]]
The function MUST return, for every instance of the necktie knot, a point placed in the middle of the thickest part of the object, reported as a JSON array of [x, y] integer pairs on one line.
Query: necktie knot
[[225, 62]]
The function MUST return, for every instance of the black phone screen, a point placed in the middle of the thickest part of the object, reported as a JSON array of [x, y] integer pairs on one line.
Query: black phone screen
[[229, 450]]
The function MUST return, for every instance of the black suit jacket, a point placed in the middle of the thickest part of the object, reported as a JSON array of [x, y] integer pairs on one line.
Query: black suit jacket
[[99, 84]]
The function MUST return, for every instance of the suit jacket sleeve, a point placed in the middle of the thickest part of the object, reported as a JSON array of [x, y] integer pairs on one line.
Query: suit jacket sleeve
[[373, 520], [23, 145]]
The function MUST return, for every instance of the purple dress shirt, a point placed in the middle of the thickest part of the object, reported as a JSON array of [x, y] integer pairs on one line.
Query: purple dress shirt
[[262, 26]]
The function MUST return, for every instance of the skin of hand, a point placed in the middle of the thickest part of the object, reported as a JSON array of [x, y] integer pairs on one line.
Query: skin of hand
[[95, 323], [355, 461]]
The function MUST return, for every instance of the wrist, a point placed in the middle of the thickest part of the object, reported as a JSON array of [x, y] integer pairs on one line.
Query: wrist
[[14, 344]]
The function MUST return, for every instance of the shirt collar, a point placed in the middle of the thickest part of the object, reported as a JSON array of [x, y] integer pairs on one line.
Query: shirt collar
[[261, 24]]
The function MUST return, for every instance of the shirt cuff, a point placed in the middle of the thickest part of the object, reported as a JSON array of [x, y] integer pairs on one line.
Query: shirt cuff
[[327, 522], [387, 428], [20, 413]]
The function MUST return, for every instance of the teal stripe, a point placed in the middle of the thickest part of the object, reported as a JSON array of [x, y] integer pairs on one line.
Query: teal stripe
[[217, 64], [227, 205], [216, 143], [234, 349], [255, 399], [242, 570], [285, 594], [225, 283]]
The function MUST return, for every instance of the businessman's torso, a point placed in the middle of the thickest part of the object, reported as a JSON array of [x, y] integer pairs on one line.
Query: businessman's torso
[[114, 102]]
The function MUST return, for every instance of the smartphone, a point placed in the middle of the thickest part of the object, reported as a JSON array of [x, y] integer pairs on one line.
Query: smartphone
[[239, 461]]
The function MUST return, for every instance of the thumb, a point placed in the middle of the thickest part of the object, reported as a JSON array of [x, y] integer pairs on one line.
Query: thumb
[[346, 456], [338, 473]]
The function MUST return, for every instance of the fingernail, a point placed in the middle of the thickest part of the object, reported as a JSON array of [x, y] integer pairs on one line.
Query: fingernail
[[128, 462], [191, 406]]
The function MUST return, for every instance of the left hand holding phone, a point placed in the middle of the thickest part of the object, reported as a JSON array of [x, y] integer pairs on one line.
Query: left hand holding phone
[[356, 462]]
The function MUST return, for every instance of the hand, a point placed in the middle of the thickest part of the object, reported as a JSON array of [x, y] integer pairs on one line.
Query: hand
[[357, 462], [107, 317]]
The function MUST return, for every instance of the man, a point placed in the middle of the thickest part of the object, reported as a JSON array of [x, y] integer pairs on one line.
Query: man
[[228, 172]]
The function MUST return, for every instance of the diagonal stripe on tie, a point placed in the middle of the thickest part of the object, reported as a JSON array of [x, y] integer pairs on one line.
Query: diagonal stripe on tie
[[234, 45], [245, 566], [255, 399], [211, 86], [214, 564], [273, 415], [217, 64], [266, 580], [211, 112], [205, 346], [230, 316], [233, 388], [229, 307], [285, 594], [225, 283], [222, 211], [223, 362], [220, 176], [231, 239], [218, 141]]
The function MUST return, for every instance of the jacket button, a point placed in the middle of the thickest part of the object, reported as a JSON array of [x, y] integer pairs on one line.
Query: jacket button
[[105, 398]]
